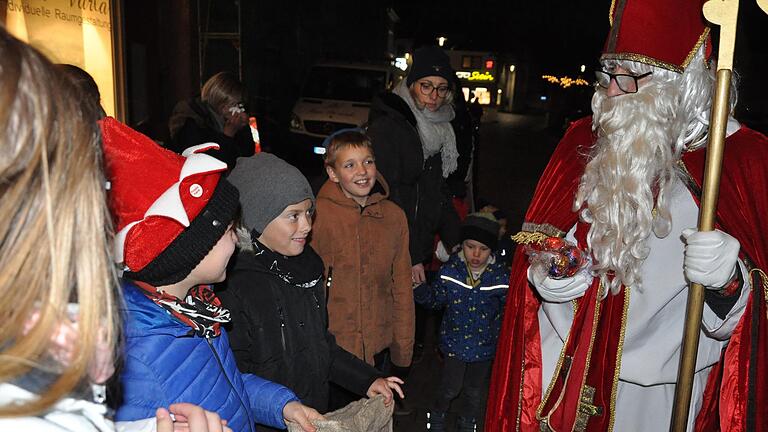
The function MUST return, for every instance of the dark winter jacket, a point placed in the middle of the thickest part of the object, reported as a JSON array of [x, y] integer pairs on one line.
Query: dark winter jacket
[[473, 314], [279, 332], [464, 130], [165, 363], [193, 122], [415, 184]]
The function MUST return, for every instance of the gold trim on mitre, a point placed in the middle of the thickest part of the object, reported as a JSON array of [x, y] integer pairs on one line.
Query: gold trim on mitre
[[641, 58], [702, 40]]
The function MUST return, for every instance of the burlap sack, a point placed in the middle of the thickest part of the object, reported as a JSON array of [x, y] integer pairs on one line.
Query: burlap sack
[[364, 415]]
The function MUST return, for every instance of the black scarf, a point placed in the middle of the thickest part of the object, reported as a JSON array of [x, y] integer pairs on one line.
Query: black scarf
[[304, 270]]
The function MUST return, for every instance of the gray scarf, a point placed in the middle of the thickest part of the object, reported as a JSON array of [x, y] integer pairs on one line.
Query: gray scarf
[[435, 130]]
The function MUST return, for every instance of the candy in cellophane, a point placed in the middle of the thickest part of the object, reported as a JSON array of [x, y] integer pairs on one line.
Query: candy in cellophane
[[556, 257]]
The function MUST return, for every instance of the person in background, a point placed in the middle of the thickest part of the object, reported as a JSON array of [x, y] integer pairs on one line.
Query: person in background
[[506, 247], [362, 238], [472, 287], [174, 217], [415, 147], [57, 339], [416, 151], [275, 291], [218, 115], [84, 83]]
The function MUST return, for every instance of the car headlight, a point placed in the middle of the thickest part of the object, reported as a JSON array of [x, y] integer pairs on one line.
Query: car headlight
[[296, 122]]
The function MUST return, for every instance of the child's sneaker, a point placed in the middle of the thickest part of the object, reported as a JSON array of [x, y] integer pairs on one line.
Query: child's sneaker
[[466, 424], [435, 421]]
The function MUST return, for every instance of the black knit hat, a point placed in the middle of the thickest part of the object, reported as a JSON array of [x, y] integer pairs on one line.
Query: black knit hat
[[187, 250], [481, 227], [430, 61]]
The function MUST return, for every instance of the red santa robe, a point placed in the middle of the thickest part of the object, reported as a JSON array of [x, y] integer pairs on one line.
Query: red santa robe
[[583, 397]]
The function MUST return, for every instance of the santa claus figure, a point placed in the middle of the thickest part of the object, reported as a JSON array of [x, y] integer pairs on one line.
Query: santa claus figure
[[598, 348]]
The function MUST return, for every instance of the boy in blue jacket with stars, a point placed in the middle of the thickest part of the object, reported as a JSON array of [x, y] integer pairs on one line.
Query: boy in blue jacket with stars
[[472, 287]]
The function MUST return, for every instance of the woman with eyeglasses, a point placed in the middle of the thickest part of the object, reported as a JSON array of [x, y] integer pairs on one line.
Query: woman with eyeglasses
[[219, 116], [415, 147]]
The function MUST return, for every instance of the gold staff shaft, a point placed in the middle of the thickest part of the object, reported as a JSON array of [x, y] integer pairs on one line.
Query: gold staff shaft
[[695, 307]]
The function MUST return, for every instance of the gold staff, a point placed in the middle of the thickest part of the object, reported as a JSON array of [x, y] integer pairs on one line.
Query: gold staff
[[724, 14]]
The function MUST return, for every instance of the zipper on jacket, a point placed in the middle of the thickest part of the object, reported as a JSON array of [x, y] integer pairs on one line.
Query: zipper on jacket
[[224, 371], [416, 209], [282, 325]]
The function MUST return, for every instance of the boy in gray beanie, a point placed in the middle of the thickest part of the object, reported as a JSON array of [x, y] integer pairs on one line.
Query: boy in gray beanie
[[472, 287], [267, 185], [275, 292]]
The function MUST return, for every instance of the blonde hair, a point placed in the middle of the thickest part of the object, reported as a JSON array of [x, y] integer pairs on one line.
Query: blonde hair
[[54, 237], [343, 140], [222, 91]]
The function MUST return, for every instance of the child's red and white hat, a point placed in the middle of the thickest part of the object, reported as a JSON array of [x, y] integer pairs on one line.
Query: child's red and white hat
[[169, 210]]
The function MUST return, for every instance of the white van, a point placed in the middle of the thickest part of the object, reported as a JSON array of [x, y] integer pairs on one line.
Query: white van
[[337, 96]]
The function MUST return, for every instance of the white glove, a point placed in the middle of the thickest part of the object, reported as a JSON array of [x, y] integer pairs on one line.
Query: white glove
[[559, 290], [710, 257]]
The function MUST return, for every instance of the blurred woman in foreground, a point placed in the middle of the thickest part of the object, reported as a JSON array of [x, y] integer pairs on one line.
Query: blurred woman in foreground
[[58, 322]]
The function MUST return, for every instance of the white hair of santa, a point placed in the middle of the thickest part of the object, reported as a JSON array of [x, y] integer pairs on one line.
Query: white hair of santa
[[640, 139]]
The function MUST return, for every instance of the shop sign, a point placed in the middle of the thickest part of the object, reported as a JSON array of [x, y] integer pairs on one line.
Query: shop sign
[[77, 32]]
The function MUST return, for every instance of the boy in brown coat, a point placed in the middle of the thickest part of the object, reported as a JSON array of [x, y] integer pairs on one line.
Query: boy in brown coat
[[363, 240]]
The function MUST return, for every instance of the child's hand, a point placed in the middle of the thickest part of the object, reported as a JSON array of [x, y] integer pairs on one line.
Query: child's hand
[[189, 418], [384, 386], [417, 274], [303, 415]]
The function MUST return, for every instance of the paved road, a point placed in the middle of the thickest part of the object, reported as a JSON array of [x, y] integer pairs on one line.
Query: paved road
[[512, 153]]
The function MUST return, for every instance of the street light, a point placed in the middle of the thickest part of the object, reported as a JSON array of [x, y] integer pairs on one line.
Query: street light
[[441, 40], [511, 68], [583, 68]]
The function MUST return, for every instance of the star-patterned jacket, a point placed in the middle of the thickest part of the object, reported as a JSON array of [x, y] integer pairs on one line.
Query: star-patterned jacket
[[473, 308]]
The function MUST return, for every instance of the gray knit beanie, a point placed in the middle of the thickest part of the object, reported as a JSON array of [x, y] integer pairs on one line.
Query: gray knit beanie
[[267, 185]]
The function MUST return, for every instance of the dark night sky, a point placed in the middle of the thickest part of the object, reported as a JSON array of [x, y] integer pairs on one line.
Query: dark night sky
[[560, 35], [555, 33]]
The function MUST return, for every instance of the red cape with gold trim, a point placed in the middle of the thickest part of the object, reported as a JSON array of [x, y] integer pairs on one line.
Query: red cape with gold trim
[[736, 394]]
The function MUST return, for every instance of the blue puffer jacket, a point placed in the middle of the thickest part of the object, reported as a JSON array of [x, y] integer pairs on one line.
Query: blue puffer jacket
[[165, 365], [473, 314]]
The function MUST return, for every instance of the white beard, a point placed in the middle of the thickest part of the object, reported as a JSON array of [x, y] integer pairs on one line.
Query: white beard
[[632, 157]]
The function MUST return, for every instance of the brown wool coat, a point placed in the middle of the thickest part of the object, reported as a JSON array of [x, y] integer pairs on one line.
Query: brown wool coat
[[370, 305]]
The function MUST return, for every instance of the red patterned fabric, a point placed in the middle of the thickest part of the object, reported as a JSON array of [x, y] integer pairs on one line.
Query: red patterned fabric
[[516, 387], [201, 310], [661, 32]]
